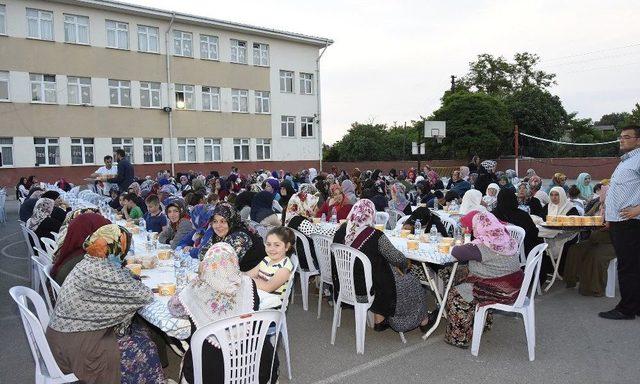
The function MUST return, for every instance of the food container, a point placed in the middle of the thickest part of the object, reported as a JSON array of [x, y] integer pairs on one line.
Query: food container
[[424, 238], [412, 245], [135, 268], [316, 220], [597, 220], [164, 254], [119, 217], [444, 248], [167, 289], [404, 233], [447, 240], [379, 227]]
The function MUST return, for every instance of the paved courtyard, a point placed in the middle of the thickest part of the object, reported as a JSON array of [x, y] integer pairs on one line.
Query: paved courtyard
[[573, 344]]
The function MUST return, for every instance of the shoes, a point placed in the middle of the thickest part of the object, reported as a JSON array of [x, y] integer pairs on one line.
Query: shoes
[[431, 316], [381, 326], [614, 314]]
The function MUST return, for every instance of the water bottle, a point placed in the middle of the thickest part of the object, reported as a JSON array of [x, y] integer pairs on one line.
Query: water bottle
[[177, 259], [143, 225], [435, 203], [433, 234], [417, 228], [457, 235], [334, 216], [323, 218], [467, 236], [132, 248]]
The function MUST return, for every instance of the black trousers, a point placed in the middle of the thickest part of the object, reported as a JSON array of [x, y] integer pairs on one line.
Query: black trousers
[[625, 237]]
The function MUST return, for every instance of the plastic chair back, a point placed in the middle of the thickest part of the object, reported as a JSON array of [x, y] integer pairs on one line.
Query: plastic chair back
[[50, 246], [286, 295], [322, 246], [41, 267], [518, 234], [241, 339], [382, 218], [531, 273], [394, 215], [306, 248], [35, 326], [401, 222], [449, 224], [345, 259]]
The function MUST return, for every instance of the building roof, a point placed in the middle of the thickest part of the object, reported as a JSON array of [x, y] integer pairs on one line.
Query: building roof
[[605, 127], [162, 14]]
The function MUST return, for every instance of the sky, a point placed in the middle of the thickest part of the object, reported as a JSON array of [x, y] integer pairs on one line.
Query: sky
[[392, 60]]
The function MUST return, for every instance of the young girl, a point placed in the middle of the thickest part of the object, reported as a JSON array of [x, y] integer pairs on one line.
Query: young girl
[[274, 271]]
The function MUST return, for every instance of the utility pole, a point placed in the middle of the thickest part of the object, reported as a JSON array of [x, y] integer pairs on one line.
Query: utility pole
[[453, 83], [515, 145]]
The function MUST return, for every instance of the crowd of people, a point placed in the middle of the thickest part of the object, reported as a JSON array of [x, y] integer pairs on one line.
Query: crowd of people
[[218, 219]]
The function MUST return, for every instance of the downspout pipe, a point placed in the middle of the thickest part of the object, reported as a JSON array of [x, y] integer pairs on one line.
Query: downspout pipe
[[318, 114], [170, 113]]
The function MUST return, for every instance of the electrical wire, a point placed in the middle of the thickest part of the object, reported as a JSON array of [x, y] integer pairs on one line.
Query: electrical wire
[[567, 143]]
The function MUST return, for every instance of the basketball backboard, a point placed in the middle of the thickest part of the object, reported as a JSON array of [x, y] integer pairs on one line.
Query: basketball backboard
[[437, 129]]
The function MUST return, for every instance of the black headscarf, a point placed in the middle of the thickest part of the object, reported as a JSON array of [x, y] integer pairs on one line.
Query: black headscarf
[[244, 199], [427, 219], [262, 206], [507, 210], [284, 199]]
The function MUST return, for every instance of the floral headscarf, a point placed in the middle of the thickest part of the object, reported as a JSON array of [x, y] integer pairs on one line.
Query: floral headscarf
[[400, 202], [229, 213], [136, 188], [81, 227], [41, 211], [559, 178], [349, 190], [464, 172], [302, 204], [535, 182], [362, 215], [75, 213], [308, 188], [489, 165], [489, 232], [108, 240], [433, 177]]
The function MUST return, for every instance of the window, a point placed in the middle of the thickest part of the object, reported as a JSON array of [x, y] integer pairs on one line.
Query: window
[[261, 54], [263, 149], [184, 96], [149, 94], [212, 150], [211, 98], [43, 88], [288, 126], [241, 149], [117, 34], [306, 83], [152, 150], [208, 47], [47, 150], [148, 39], [39, 24], [6, 151], [123, 143], [4, 85], [238, 51], [79, 90], [306, 126], [120, 93], [263, 103], [187, 150], [286, 81], [3, 20], [82, 151], [239, 100], [182, 43], [76, 29]]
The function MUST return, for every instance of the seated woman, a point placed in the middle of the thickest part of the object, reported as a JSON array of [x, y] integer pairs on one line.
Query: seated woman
[[505, 183], [490, 199], [71, 252], [574, 197], [349, 190], [179, 223], [275, 270], [336, 205], [583, 183], [507, 211], [201, 230], [227, 227], [41, 221], [92, 335], [59, 207], [427, 220], [220, 291], [494, 277], [399, 200], [535, 185], [400, 300], [526, 200], [262, 209], [471, 201], [243, 204]]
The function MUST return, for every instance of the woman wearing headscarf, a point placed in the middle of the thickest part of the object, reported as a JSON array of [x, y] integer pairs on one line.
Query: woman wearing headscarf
[[490, 198], [507, 211], [272, 185], [427, 220], [91, 334], [465, 172], [286, 191], [336, 205], [399, 200], [535, 185], [262, 209], [226, 226], [349, 191], [583, 182], [587, 262], [400, 300], [137, 191], [312, 175], [179, 223], [494, 276], [530, 202], [243, 203], [505, 183], [59, 207], [471, 201], [71, 252], [184, 185], [201, 231], [197, 186], [220, 291], [41, 221], [558, 180], [434, 180]]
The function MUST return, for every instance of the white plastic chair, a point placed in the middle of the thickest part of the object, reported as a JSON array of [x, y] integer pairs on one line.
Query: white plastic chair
[[322, 245], [241, 339], [394, 215], [284, 332], [518, 234], [612, 277], [47, 370], [523, 305], [305, 275], [401, 222], [50, 246], [345, 259], [28, 234], [382, 218], [43, 281], [3, 199]]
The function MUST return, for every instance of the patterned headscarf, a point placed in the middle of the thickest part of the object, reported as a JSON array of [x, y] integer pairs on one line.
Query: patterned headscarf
[[302, 204], [41, 211], [201, 214], [136, 188], [464, 172], [433, 177], [107, 240], [75, 213], [535, 182], [308, 188], [78, 230], [229, 213], [559, 178], [220, 290], [362, 215], [400, 201], [489, 165], [349, 190], [489, 232]]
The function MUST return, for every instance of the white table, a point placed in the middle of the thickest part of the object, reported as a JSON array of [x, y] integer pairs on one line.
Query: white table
[[427, 253], [556, 239]]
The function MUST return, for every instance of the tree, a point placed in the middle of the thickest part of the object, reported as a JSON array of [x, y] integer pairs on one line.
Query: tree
[[616, 119], [634, 117], [363, 142]]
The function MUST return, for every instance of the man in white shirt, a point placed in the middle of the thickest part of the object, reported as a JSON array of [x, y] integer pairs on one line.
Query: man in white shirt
[[108, 170]]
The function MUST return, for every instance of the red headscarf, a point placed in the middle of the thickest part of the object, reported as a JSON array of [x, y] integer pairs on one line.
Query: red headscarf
[[77, 232]]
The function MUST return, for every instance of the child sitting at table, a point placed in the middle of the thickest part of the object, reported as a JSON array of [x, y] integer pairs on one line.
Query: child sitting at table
[[274, 271], [156, 220], [130, 209]]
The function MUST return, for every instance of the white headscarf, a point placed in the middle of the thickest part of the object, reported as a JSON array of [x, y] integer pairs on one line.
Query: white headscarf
[[563, 206], [490, 201], [312, 174], [471, 202]]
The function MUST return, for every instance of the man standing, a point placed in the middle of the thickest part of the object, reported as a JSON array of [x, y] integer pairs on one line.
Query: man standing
[[125, 176], [622, 214], [108, 170]]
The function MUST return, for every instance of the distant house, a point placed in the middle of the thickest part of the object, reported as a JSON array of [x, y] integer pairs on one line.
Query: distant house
[[605, 128]]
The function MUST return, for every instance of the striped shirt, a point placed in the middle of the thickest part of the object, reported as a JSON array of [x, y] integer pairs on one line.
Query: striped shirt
[[266, 271], [624, 188]]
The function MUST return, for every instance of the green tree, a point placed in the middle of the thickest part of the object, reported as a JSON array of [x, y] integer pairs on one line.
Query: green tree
[[616, 119], [634, 117], [362, 142]]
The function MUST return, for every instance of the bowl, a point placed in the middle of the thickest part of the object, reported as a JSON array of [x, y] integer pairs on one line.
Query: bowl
[[135, 268], [167, 289]]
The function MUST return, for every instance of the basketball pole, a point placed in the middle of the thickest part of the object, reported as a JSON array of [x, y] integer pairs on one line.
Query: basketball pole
[[516, 142]]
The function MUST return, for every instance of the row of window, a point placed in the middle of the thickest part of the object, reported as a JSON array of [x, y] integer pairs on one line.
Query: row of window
[[82, 150], [76, 31]]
